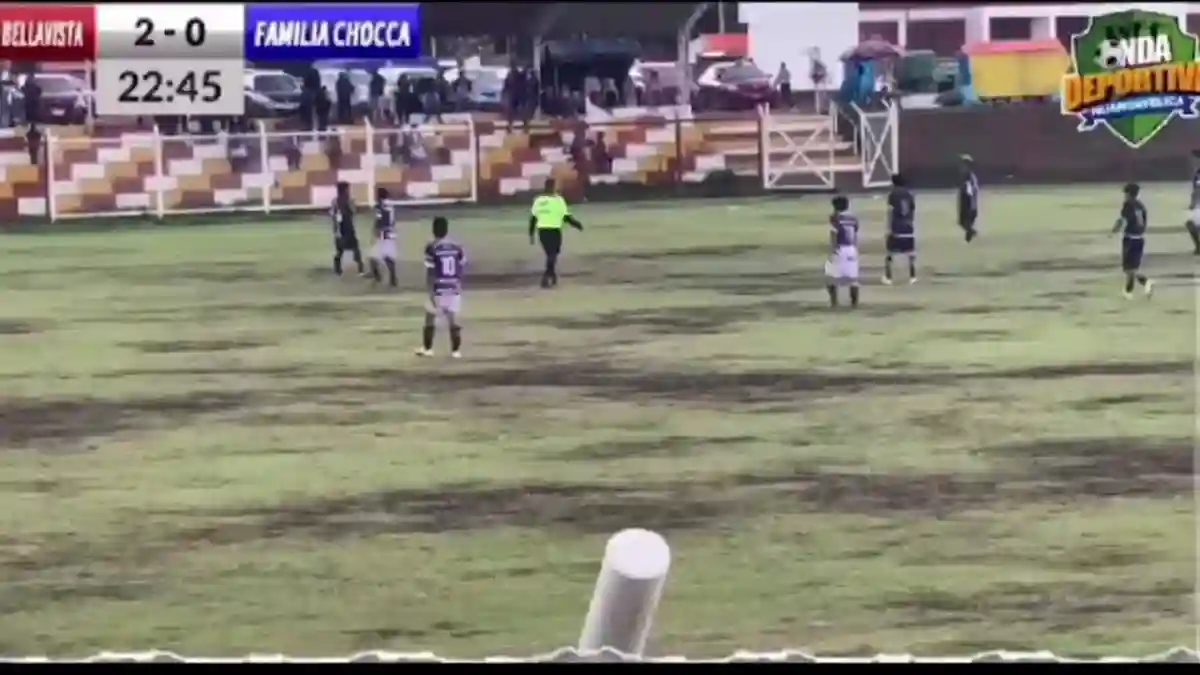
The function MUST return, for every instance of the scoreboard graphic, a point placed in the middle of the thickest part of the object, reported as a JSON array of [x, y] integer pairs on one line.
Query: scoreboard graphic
[[177, 59]]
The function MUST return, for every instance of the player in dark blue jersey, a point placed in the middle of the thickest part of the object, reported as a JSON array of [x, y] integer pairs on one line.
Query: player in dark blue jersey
[[1132, 226], [384, 250], [842, 267], [345, 237], [901, 229], [968, 198], [445, 262], [1193, 214]]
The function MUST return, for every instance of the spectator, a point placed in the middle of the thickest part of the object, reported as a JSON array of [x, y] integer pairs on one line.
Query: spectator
[[608, 94], [33, 99], [513, 92], [333, 151], [395, 142], [654, 92], [413, 147], [376, 88], [238, 153], [601, 158], [291, 151], [578, 152], [432, 98], [323, 109], [462, 90], [403, 99], [818, 74], [533, 96], [7, 100], [345, 98], [591, 90], [628, 94], [783, 84], [33, 143]]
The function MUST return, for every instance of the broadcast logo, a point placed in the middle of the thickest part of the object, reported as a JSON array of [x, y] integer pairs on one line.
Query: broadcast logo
[[1133, 72]]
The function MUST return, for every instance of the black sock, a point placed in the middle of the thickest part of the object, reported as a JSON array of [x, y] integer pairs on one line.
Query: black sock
[[1129, 283], [887, 267], [1194, 232], [455, 338], [833, 295], [391, 267], [854, 296], [912, 267], [358, 260], [427, 337], [1141, 279], [375, 271], [552, 268], [337, 263]]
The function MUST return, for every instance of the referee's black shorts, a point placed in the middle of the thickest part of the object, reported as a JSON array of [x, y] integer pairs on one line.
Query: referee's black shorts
[[551, 240]]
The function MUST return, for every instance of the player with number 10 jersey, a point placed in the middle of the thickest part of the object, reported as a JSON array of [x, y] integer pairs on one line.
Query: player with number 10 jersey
[[445, 262]]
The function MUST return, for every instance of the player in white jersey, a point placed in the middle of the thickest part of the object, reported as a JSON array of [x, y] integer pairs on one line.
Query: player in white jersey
[[383, 252]]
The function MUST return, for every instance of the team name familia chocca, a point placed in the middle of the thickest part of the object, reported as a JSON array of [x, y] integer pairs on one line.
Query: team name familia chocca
[[320, 33]]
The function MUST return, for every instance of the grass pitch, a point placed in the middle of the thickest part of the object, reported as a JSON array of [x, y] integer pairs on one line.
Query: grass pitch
[[211, 445]]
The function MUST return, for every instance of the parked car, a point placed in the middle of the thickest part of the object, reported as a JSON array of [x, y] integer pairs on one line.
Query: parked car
[[271, 93], [487, 86], [739, 85], [65, 98], [420, 76]]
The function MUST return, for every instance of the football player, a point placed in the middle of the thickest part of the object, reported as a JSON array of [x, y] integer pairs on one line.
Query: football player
[[384, 250], [901, 230], [445, 261], [842, 267], [1132, 226]]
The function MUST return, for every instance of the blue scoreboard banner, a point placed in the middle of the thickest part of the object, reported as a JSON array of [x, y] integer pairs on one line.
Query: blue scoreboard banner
[[278, 33]]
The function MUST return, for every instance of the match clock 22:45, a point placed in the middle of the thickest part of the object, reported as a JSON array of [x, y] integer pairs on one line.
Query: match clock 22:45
[[169, 87]]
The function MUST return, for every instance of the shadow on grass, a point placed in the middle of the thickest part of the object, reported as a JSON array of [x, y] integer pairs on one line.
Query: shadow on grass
[[707, 319], [1055, 471], [25, 422], [195, 346]]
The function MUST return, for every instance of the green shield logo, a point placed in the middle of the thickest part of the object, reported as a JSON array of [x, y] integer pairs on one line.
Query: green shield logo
[[1132, 72]]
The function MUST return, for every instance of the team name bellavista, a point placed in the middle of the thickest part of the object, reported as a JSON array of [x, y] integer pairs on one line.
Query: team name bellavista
[[41, 34], [332, 34]]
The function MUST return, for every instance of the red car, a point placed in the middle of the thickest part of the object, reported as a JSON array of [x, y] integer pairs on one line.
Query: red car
[[740, 85]]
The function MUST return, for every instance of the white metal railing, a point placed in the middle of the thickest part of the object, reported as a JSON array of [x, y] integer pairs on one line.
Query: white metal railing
[[632, 576], [877, 140], [154, 174]]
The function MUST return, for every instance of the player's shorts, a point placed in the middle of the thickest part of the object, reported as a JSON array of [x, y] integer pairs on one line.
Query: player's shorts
[[444, 305], [1131, 253], [551, 240], [1193, 216], [345, 243], [843, 265], [384, 249], [898, 244]]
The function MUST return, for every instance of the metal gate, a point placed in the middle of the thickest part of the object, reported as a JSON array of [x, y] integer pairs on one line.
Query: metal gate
[[798, 152], [879, 145]]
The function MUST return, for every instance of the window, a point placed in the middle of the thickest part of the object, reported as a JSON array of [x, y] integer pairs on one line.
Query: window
[[276, 84]]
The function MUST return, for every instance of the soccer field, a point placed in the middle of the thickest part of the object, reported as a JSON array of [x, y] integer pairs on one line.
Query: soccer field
[[214, 446]]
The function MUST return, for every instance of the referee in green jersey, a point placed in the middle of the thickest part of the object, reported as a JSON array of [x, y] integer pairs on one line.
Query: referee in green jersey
[[546, 218]]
